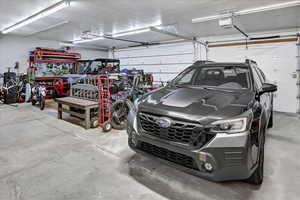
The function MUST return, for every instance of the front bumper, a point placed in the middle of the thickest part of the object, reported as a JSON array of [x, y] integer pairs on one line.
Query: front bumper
[[229, 155]]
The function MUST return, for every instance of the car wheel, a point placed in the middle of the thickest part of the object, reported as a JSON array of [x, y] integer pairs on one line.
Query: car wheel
[[270, 123], [258, 175], [119, 110]]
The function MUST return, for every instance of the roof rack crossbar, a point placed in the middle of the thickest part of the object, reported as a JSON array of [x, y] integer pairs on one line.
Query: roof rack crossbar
[[249, 61], [201, 62]]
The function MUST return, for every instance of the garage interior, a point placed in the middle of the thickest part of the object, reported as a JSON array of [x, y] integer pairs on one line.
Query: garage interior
[[44, 157]]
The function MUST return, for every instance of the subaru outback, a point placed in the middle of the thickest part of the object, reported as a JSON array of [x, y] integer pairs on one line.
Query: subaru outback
[[210, 121]]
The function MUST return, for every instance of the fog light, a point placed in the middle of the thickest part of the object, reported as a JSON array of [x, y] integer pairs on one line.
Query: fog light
[[208, 167]]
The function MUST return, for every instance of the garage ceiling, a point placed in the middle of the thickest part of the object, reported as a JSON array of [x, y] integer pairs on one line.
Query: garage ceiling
[[108, 16]]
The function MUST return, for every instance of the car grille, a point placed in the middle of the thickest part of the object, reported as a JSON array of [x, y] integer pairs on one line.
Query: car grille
[[179, 131], [169, 155]]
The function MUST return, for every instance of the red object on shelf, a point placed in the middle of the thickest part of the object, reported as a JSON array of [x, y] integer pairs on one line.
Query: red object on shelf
[[56, 53], [104, 98], [55, 85], [47, 60], [58, 56]]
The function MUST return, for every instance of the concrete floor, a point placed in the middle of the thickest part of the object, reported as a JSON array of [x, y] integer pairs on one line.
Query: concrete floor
[[42, 158]]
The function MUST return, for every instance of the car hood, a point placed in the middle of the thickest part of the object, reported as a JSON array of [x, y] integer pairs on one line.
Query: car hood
[[196, 104]]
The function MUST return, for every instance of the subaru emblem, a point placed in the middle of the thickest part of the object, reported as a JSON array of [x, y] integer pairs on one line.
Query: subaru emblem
[[164, 122]]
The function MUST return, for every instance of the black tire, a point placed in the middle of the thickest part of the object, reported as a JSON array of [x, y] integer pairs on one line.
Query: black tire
[[119, 112], [258, 175], [11, 95], [33, 102], [270, 123], [106, 127], [42, 104]]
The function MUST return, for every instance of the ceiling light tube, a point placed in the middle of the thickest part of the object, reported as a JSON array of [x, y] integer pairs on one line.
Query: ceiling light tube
[[46, 12], [268, 8], [131, 32], [87, 40], [248, 11], [212, 17]]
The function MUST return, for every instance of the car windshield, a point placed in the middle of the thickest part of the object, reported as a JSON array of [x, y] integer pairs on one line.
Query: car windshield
[[226, 77]]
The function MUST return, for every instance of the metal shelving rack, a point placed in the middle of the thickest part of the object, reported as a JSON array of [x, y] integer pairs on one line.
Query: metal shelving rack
[[55, 84]]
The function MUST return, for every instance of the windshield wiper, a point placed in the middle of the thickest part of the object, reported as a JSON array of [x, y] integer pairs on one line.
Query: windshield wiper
[[179, 86], [212, 88], [217, 89]]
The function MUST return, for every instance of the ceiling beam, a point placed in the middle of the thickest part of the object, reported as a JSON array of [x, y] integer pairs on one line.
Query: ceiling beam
[[126, 40], [82, 46], [110, 37]]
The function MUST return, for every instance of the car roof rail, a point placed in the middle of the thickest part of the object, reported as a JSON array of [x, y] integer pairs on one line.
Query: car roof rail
[[201, 62], [249, 61]]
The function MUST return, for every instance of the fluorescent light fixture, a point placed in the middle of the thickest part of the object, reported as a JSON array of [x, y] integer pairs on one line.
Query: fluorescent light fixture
[[205, 19], [210, 18], [248, 11], [88, 40], [132, 32], [48, 11], [114, 35], [268, 8]]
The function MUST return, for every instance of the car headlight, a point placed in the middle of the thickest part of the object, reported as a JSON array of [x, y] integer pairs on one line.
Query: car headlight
[[229, 126]]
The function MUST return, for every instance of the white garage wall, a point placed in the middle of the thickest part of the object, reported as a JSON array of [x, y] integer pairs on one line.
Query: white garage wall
[[165, 61], [278, 61], [14, 48]]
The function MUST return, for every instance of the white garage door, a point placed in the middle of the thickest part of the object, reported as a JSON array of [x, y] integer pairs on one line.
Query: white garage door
[[164, 61], [279, 63]]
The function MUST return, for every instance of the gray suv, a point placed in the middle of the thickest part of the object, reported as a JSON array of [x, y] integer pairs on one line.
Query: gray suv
[[209, 121]]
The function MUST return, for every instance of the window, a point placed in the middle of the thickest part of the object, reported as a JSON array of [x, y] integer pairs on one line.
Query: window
[[185, 78], [227, 77]]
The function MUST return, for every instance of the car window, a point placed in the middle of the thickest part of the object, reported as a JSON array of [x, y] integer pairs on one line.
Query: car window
[[228, 77], [186, 78], [257, 79]]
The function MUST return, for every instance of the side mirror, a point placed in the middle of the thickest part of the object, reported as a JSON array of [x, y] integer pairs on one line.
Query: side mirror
[[267, 87]]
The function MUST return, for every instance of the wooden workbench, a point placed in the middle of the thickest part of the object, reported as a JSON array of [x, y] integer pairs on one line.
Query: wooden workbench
[[74, 102]]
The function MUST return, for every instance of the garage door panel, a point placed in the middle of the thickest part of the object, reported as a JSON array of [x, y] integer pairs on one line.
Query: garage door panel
[[164, 61], [278, 61]]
